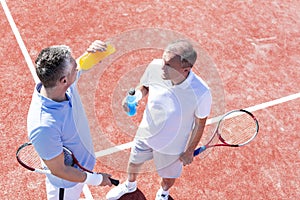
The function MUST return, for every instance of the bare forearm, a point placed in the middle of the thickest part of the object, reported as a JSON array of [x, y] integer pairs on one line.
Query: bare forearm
[[59, 169], [70, 173], [196, 136], [74, 175], [188, 156], [143, 89]]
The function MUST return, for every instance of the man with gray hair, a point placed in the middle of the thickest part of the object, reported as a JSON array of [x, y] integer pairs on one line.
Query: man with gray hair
[[178, 105]]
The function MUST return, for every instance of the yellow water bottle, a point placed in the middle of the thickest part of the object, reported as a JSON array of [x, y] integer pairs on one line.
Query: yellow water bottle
[[88, 60]]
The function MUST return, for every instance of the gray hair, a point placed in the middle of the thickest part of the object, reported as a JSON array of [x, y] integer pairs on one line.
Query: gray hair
[[185, 50]]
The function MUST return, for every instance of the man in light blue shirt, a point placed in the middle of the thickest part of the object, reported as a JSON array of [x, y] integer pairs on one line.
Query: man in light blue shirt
[[56, 118]]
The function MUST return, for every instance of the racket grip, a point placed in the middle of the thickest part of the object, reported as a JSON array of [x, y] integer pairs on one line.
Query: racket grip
[[114, 181], [199, 150]]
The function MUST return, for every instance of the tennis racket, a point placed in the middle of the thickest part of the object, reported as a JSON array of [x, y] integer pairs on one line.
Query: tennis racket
[[236, 128], [28, 158]]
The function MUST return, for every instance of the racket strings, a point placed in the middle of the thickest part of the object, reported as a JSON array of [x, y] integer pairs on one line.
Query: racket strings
[[29, 157], [238, 130], [68, 158]]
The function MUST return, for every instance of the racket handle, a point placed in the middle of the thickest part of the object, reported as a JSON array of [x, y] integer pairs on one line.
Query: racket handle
[[114, 181], [199, 150]]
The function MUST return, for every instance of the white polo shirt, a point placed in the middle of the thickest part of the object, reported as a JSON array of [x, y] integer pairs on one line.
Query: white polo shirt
[[170, 112]]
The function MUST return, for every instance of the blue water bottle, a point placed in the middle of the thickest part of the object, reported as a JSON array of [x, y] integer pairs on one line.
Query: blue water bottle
[[131, 102]]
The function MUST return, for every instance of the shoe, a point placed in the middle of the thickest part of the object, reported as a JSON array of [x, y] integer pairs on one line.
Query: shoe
[[162, 195], [120, 190]]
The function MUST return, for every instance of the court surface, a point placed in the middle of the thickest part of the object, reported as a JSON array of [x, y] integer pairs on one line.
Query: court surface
[[248, 54]]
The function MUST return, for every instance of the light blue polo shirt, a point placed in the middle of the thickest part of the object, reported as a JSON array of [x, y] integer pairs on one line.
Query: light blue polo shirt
[[52, 125]]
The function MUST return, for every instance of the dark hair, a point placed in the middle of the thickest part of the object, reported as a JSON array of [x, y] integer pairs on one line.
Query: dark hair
[[185, 50], [51, 64]]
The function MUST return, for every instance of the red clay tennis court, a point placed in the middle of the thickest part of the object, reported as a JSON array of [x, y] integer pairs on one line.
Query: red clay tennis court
[[249, 55]]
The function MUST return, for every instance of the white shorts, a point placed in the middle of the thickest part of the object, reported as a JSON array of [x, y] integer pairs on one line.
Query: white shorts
[[167, 166], [72, 193]]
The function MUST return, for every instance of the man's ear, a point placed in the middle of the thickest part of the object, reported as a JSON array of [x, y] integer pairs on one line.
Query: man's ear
[[63, 79], [187, 69]]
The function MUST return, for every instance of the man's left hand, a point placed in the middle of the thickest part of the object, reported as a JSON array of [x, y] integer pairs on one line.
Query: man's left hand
[[97, 45], [186, 158]]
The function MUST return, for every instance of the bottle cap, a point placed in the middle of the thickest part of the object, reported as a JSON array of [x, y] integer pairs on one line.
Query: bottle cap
[[131, 91]]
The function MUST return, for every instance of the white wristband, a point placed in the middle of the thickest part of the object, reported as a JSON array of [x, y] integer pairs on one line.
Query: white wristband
[[93, 179]]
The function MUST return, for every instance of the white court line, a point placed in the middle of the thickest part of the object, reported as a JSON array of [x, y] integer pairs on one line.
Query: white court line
[[274, 102], [86, 190], [19, 40], [209, 121], [126, 145], [114, 149]]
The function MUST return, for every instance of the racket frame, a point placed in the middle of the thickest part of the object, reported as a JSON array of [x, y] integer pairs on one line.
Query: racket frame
[[38, 170], [47, 171], [224, 143]]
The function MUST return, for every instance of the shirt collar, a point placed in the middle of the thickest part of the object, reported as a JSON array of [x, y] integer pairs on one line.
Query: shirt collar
[[49, 103], [186, 83]]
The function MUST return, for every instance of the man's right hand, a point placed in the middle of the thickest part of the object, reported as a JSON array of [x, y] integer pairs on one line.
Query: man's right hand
[[124, 105], [106, 181]]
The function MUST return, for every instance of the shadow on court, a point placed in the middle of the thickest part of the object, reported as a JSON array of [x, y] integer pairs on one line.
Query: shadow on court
[[137, 195]]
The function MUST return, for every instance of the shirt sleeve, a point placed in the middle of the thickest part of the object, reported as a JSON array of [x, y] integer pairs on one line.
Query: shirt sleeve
[[204, 105], [47, 142], [151, 72], [145, 78]]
